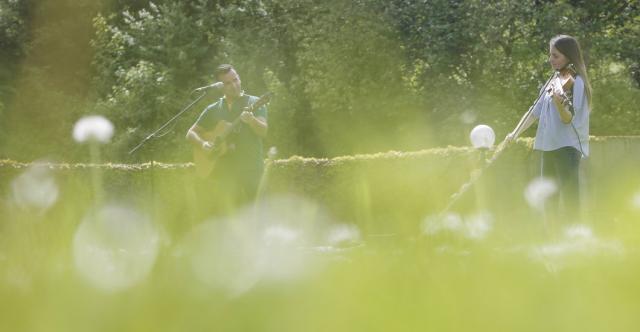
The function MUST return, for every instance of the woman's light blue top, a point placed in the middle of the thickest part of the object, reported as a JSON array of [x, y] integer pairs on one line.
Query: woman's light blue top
[[552, 133]]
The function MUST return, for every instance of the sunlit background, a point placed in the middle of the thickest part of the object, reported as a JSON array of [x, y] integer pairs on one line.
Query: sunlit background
[[381, 208]]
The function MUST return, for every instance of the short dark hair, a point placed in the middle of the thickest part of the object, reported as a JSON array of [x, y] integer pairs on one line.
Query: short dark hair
[[222, 69]]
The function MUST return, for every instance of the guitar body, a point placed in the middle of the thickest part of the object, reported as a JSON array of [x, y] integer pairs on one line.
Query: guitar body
[[205, 161]]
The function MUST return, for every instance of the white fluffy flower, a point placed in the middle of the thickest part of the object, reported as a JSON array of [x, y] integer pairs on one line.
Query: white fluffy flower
[[451, 222], [115, 247], [36, 188], [273, 152], [577, 244], [343, 235], [473, 227], [279, 235], [635, 201], [93, 128], [538, 191], [579, 232], [479, 226], [266, 242]]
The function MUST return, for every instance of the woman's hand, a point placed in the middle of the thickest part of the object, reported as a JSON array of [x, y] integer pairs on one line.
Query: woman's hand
[[558, 99], [207, 146], [558, 95]]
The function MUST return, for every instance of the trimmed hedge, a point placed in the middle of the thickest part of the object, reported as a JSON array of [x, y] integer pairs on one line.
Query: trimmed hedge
[[391, 191]]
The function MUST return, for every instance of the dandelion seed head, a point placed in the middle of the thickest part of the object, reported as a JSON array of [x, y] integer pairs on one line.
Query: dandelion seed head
[[635, 200], [433, 225], [538, 191], [577, 244], [93, 128], [343, 235], [115, 247], [478, 226], [266, 242], [468, 117], [35, 188], [284, 254], [280, 235], [579, 232], [273, 152], [474, 227], [225, 255]]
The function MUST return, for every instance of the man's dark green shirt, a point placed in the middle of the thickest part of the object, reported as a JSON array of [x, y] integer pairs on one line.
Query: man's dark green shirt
[[245, 154]]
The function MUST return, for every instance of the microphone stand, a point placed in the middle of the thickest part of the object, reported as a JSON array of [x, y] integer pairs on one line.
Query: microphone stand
[[153, 134]]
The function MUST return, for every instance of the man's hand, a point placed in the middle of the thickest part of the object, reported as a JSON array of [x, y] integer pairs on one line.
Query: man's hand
[[247, 117], [257, 124]]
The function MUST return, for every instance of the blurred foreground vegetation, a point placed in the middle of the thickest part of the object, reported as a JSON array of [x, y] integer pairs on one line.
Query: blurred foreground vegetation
[[343, 244]]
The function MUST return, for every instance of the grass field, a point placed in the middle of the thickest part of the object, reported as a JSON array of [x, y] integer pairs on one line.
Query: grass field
[[141, 258]]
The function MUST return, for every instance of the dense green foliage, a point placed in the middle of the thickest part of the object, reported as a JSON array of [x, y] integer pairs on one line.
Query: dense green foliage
[[349, 76]]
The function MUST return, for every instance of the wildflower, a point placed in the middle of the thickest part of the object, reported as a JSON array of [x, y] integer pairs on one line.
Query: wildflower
[[115, 247], [538, 191], [343, 235], [478, 226], [35, 188], [451, 222], [273, 152], [93, 128], [635, 201]]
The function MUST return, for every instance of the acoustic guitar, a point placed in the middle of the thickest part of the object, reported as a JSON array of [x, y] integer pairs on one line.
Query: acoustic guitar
[[205, 161]]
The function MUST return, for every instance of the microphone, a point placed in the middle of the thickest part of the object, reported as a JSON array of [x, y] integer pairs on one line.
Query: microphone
[[216, 85]]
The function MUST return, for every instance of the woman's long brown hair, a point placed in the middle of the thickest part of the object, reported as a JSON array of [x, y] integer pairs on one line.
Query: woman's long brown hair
[[570, 48]]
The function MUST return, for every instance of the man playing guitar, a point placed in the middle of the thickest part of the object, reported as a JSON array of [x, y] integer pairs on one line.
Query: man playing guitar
[[230, 132]]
